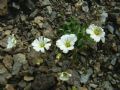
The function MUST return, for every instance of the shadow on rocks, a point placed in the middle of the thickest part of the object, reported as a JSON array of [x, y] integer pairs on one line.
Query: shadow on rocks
[[44, 82]]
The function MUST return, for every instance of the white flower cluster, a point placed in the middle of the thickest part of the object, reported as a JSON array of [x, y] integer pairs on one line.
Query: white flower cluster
[[65, 43]]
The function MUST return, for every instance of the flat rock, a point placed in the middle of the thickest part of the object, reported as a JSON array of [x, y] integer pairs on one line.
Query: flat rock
[[9, 87], [28, 78], [8, 61], [19, 60], [85, 77]]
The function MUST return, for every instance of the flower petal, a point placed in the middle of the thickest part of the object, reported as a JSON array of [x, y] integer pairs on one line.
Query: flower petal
[[47, 46], [35, 42], [36, 48], [71, 48], [103, 39], [42, 50], [65, 51]]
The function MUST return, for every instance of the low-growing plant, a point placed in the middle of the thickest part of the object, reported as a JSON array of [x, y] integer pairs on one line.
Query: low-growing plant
[[73, 26]]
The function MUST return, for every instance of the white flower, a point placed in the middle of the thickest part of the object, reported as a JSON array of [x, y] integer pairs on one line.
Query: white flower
[[41, 44], [66, 42], [96, 33], [11, 41], [64, 76]]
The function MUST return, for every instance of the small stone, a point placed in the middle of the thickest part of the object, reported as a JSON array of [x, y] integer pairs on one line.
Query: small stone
[[118, 20], [100, 74], [9, 87], [111, 36], [3, 81], [85, 7], [2, 69], [1, 29], [28, 87], [97, 67], [19, 60], [117, 32], [75, 79], [85, 77], [93, 85], [9, 27], [23, 17], [3, 7], [107, 85], [7, 32], [28, 78], [3, 42], [49, 8], [110, 67], [34, 13], [110, 29], [22, 84], [8, 61], [79, 3], [37, 61], [14, 5], [39, 21], [114, 59], [114, 47], [56, 69], [83, 88], [43, 69], [49, 33], [69, 10]]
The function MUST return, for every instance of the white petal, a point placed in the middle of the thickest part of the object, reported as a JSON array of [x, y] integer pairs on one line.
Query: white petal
[[96, 38], [92, 26], [36, 48], [59, 43], [103, 34], [71, 48], [62, 47], [64, 37], [41, 39], [35, 42], [103, 40], [88, 31], [73, 37], [47, 40], [42, 50], [65, 51], [47, 46]]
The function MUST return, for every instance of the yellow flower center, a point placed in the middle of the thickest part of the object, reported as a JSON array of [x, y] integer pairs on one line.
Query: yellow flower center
[[97, 31], [42, 45], [67, 43]]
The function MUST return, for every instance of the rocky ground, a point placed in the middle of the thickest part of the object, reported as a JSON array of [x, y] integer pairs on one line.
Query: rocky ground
[[22, 68]]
